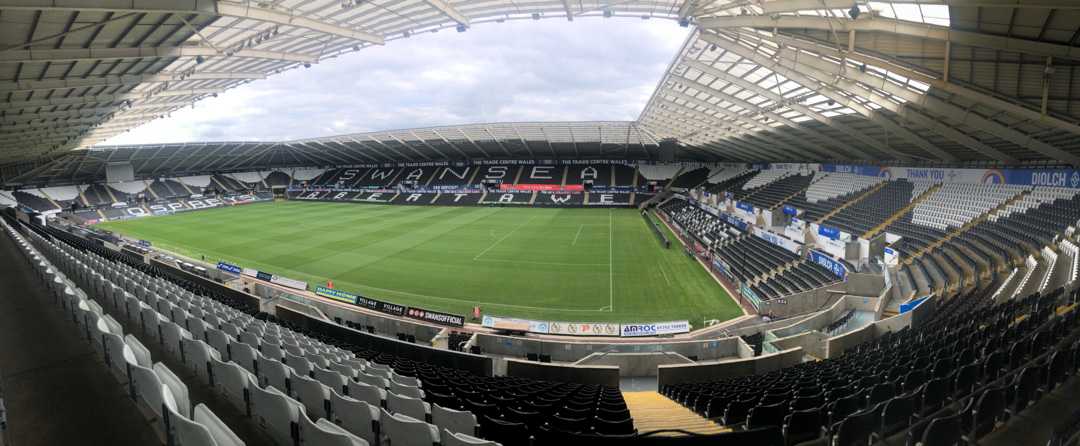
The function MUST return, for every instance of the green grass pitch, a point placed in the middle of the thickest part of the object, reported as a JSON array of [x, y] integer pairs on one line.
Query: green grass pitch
[[570, 264]]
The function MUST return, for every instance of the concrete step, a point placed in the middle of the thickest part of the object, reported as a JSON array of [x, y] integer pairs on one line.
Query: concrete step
[[652, 411]]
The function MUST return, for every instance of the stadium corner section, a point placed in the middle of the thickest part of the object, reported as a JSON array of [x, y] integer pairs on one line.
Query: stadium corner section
[[694, 248]]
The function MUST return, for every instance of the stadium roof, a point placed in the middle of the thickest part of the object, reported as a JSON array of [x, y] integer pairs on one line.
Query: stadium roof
[[918, 80], [548, 140]]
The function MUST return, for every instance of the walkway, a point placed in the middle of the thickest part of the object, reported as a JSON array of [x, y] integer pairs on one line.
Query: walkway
[[652, 411]]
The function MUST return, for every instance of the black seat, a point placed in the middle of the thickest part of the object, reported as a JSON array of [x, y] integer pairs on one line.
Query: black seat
[[987, 410], [770, 415], [505, 432], [619, 427], [944, 431], [803, 425], [857, 428], [737, 410], [841, 408], [896, 415]]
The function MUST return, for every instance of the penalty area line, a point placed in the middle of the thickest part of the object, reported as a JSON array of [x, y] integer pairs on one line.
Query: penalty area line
[[508, 234]]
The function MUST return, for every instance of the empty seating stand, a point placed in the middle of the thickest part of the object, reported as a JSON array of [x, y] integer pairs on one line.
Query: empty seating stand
[[969, 368]]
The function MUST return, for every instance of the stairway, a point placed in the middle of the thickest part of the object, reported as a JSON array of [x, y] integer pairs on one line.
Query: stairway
[[852, 201], [652, 411], [896, 216]]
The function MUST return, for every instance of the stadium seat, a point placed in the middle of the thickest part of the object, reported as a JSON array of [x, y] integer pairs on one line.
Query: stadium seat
[[275, 373], [245, 356], [233, 383], [367, 393], [453, 420], [314, 395], [458, 439], [176, 388], [276, 414], [403, 430], [197, 355], [413, 407], [358, 417], [325, 433]]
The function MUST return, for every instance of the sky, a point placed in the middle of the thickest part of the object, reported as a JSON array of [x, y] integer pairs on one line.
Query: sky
[[547, 70]]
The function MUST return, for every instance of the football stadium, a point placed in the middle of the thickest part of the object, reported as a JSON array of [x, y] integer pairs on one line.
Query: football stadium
[[828, 222]]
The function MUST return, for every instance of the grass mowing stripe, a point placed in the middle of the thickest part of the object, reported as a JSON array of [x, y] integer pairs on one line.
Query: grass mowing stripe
[[423, 256]]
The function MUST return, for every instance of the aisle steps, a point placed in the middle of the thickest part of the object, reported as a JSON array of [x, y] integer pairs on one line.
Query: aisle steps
[[652, 411]]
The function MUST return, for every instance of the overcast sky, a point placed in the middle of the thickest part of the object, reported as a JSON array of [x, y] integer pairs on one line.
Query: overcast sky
[[547, 70]]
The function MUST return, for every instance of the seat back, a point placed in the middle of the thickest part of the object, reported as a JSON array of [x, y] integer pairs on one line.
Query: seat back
[[276, 414], [453, 420], [232, 382], [943, 431], [403, 430], [355, 416], [449, 438], [314, 395], [413, 407], [275, 373], [367, 393], [325, 433]]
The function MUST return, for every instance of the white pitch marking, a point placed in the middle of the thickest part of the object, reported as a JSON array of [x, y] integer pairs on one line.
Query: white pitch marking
[[579, 228], [508, 234], [664, 273], [611, 261]]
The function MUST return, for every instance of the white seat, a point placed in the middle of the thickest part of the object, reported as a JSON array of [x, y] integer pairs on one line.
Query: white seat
[[243, 355], [406, 390], [405, 380], [141, 354], [325, 433], [403, 430], [150, 321], [147, 388], [117, 356], [458, 439], [230, 381], [312, 394], [344, 368], [332, 379], [413, 407], [197, 356], [367, 393], [272, 350], [457, 421], [274, 373], [220, 341], [275, 413], [177, 387], [376, 381], [172, 336], [355, 416]]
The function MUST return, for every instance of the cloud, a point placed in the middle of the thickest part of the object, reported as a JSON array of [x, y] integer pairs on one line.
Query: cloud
[[548, 70]]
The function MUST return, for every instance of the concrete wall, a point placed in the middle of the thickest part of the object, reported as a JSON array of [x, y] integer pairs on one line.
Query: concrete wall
[[812, 342], [865, 284], [476, 364], [805, 302], [383, 324], [573, 351], [839, 344], [675, 374], [603, 375], [633, 364]]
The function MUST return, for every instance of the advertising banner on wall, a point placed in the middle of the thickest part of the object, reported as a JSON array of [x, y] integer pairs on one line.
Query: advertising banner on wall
[[655, 328], [229, 268], [507, 323], [1069, 178], [436, 317], [835, 266], [291, 283], [338, 295], [777, 240], [583, 328]]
